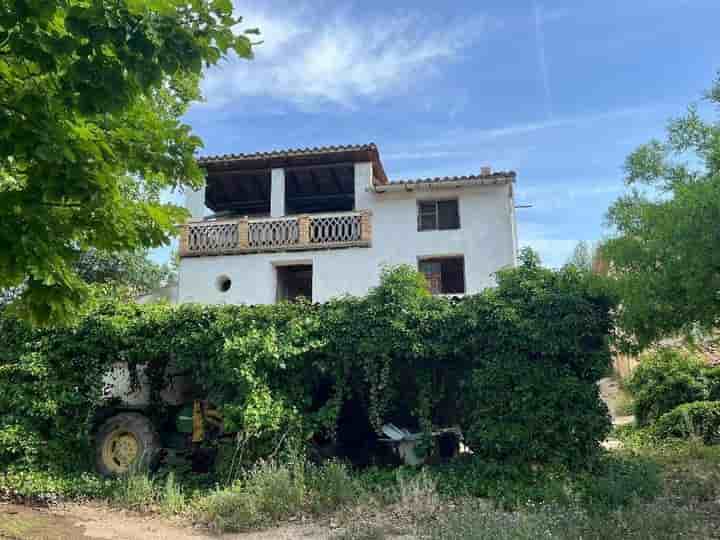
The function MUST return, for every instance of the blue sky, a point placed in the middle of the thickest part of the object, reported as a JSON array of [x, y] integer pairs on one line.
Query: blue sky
[[558, 91]]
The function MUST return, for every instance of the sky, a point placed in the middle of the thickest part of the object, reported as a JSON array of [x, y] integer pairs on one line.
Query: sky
[[558, 91]]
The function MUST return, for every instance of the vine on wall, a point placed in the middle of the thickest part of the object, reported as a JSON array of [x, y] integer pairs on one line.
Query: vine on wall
[[514, 366]]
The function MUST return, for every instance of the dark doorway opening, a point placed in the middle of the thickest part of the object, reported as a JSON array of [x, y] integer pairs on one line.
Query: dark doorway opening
[[294, 282]]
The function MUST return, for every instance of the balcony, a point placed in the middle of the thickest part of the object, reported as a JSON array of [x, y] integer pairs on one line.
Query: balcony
[[250, 235]]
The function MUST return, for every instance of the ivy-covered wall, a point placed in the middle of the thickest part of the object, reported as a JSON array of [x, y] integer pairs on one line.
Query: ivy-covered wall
[[515, 367]]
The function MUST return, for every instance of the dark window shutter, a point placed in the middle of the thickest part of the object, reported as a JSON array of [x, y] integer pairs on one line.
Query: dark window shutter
[[448, 216]]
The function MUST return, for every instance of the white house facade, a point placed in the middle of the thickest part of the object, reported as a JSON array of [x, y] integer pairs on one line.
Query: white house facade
[[322, 222]]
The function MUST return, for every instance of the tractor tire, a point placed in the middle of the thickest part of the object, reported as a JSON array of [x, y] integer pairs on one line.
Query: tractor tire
[[124, 443]]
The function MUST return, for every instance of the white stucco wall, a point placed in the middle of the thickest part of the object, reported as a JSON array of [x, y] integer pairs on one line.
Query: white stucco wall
[[486, 239]]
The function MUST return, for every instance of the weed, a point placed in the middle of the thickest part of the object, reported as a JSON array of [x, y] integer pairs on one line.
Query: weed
[[135, 491], [331, 487], [172, 498]]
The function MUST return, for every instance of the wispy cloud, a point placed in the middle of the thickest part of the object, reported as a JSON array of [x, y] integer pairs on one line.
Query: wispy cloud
[[308, 58], [474, 135], [542, 60]]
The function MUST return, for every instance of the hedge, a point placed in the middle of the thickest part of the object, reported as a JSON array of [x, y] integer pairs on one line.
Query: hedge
[[666, 378], [515, 367], [698, 419]]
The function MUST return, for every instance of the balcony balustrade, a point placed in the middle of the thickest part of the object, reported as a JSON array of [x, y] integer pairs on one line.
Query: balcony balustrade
[[251, 235]]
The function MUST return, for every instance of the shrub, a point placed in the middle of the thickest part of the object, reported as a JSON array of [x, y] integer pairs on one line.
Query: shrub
[[534, 413], [698, 419], [667, 378], [284, 374]]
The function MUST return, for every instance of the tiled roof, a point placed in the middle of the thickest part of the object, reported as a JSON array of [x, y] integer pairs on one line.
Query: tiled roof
[[290, 152], [500, 175]]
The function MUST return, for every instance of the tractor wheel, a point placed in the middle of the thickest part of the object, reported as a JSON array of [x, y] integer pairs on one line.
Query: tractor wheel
[[125, 442]]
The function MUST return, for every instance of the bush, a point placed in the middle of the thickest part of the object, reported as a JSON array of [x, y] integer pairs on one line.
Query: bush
[[667, 378], [699, 419], [285, 374], [532, 413]]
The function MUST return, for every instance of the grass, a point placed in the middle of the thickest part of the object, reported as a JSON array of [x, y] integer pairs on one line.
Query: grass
[[651, 489], [642, 522]]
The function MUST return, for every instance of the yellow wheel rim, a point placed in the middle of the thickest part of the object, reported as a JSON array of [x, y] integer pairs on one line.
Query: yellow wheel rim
[[120, 451]]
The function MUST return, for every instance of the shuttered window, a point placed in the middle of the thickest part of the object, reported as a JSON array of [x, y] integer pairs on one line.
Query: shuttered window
[[438, 215]]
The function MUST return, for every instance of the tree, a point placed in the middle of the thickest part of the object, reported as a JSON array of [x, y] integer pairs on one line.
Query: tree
[[91, 95], [582, 257], [131, 270], [118, 274], [665, 253]]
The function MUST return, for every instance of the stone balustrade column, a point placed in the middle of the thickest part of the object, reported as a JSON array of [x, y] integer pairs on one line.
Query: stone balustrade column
[[304, 229], [243, 233], [365, 226]]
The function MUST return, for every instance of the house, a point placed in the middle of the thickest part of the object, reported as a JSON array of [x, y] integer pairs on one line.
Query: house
[[322, 222]]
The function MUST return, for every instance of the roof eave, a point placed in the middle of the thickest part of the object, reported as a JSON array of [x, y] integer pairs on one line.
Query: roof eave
[[397, 187]]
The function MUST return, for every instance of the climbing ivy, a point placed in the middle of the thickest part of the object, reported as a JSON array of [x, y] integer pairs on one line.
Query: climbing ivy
[[514, 367]]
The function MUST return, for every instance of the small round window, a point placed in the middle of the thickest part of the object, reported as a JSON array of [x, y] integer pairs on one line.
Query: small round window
[[223, 284]]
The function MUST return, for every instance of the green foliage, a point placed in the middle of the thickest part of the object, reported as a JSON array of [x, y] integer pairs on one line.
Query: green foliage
[[617, 481], [332, 487], [698, 419], [664, 255], [271, 492], [475, 521], [582, 257], [532, 396], [172, 498], [136, 491], [91, 100], [667, 378], [37, 486], [514, 367]]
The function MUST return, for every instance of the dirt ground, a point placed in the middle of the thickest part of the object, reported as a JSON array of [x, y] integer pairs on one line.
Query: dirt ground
[[96, 522]]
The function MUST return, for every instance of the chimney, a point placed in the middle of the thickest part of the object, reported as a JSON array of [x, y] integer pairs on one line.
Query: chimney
[[485, 171]]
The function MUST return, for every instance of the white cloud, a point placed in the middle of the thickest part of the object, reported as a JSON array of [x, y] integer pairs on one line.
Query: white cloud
[[308, 58]]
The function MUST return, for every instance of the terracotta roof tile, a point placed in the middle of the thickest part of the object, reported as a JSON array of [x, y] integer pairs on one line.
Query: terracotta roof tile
[[289, 152], [499, 175]]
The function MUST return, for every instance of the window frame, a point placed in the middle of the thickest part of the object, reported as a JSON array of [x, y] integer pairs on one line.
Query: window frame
[[436, 212], [440, 259]]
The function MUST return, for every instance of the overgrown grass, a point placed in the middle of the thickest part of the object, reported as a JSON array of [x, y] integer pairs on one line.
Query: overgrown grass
[[652, 489], [478, 522], [271, 492]]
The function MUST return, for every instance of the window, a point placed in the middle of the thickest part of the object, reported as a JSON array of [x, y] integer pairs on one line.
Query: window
[[444, 275], [294, 282], [438, 215]]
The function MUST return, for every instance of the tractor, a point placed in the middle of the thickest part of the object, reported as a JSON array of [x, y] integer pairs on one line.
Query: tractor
[[132, 431]]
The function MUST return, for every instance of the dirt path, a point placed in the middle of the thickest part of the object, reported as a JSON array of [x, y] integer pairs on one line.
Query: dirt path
[[610, 393], [96, 522]]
